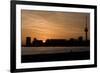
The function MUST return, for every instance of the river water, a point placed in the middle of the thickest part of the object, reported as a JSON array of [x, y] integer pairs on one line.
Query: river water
[[51, 50]]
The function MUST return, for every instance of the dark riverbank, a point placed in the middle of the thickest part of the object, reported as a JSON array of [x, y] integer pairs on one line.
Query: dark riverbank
[[56, 57]]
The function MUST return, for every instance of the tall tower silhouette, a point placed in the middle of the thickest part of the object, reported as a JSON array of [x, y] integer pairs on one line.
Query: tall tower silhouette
[[28, 41], [86, 30]]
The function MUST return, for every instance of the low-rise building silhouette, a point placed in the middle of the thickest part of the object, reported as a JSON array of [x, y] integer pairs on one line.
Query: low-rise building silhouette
[[37, 42], [57, 42]]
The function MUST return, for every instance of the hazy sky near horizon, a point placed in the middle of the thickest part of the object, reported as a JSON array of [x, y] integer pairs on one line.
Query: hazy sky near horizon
[[53, 25]]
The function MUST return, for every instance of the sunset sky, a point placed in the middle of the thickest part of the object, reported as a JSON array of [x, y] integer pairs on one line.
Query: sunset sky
[[53, 25]]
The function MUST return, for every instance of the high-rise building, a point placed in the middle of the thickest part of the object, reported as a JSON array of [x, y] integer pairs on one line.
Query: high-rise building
[[28, 41]]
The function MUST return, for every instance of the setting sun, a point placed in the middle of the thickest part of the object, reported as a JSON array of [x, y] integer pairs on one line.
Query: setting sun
[[44, 41], [44, 25]]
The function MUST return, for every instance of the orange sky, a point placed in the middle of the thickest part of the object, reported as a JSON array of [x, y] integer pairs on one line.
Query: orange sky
[[53, 25]]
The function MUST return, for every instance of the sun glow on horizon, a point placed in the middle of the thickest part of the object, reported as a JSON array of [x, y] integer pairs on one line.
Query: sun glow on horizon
[[45, 25], [44, 41]]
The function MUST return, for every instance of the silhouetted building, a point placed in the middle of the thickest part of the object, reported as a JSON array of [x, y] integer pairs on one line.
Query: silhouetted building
[[28, 41], [57, 42], [80, 38], [37, 42], [86, 30], [72, 39]]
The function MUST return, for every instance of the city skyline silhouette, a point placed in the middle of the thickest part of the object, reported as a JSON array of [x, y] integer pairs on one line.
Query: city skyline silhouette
[[54, 36], [45, 25], [56, 42]]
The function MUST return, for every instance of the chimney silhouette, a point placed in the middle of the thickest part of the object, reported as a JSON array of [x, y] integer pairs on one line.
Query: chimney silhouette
[[86, 30]]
